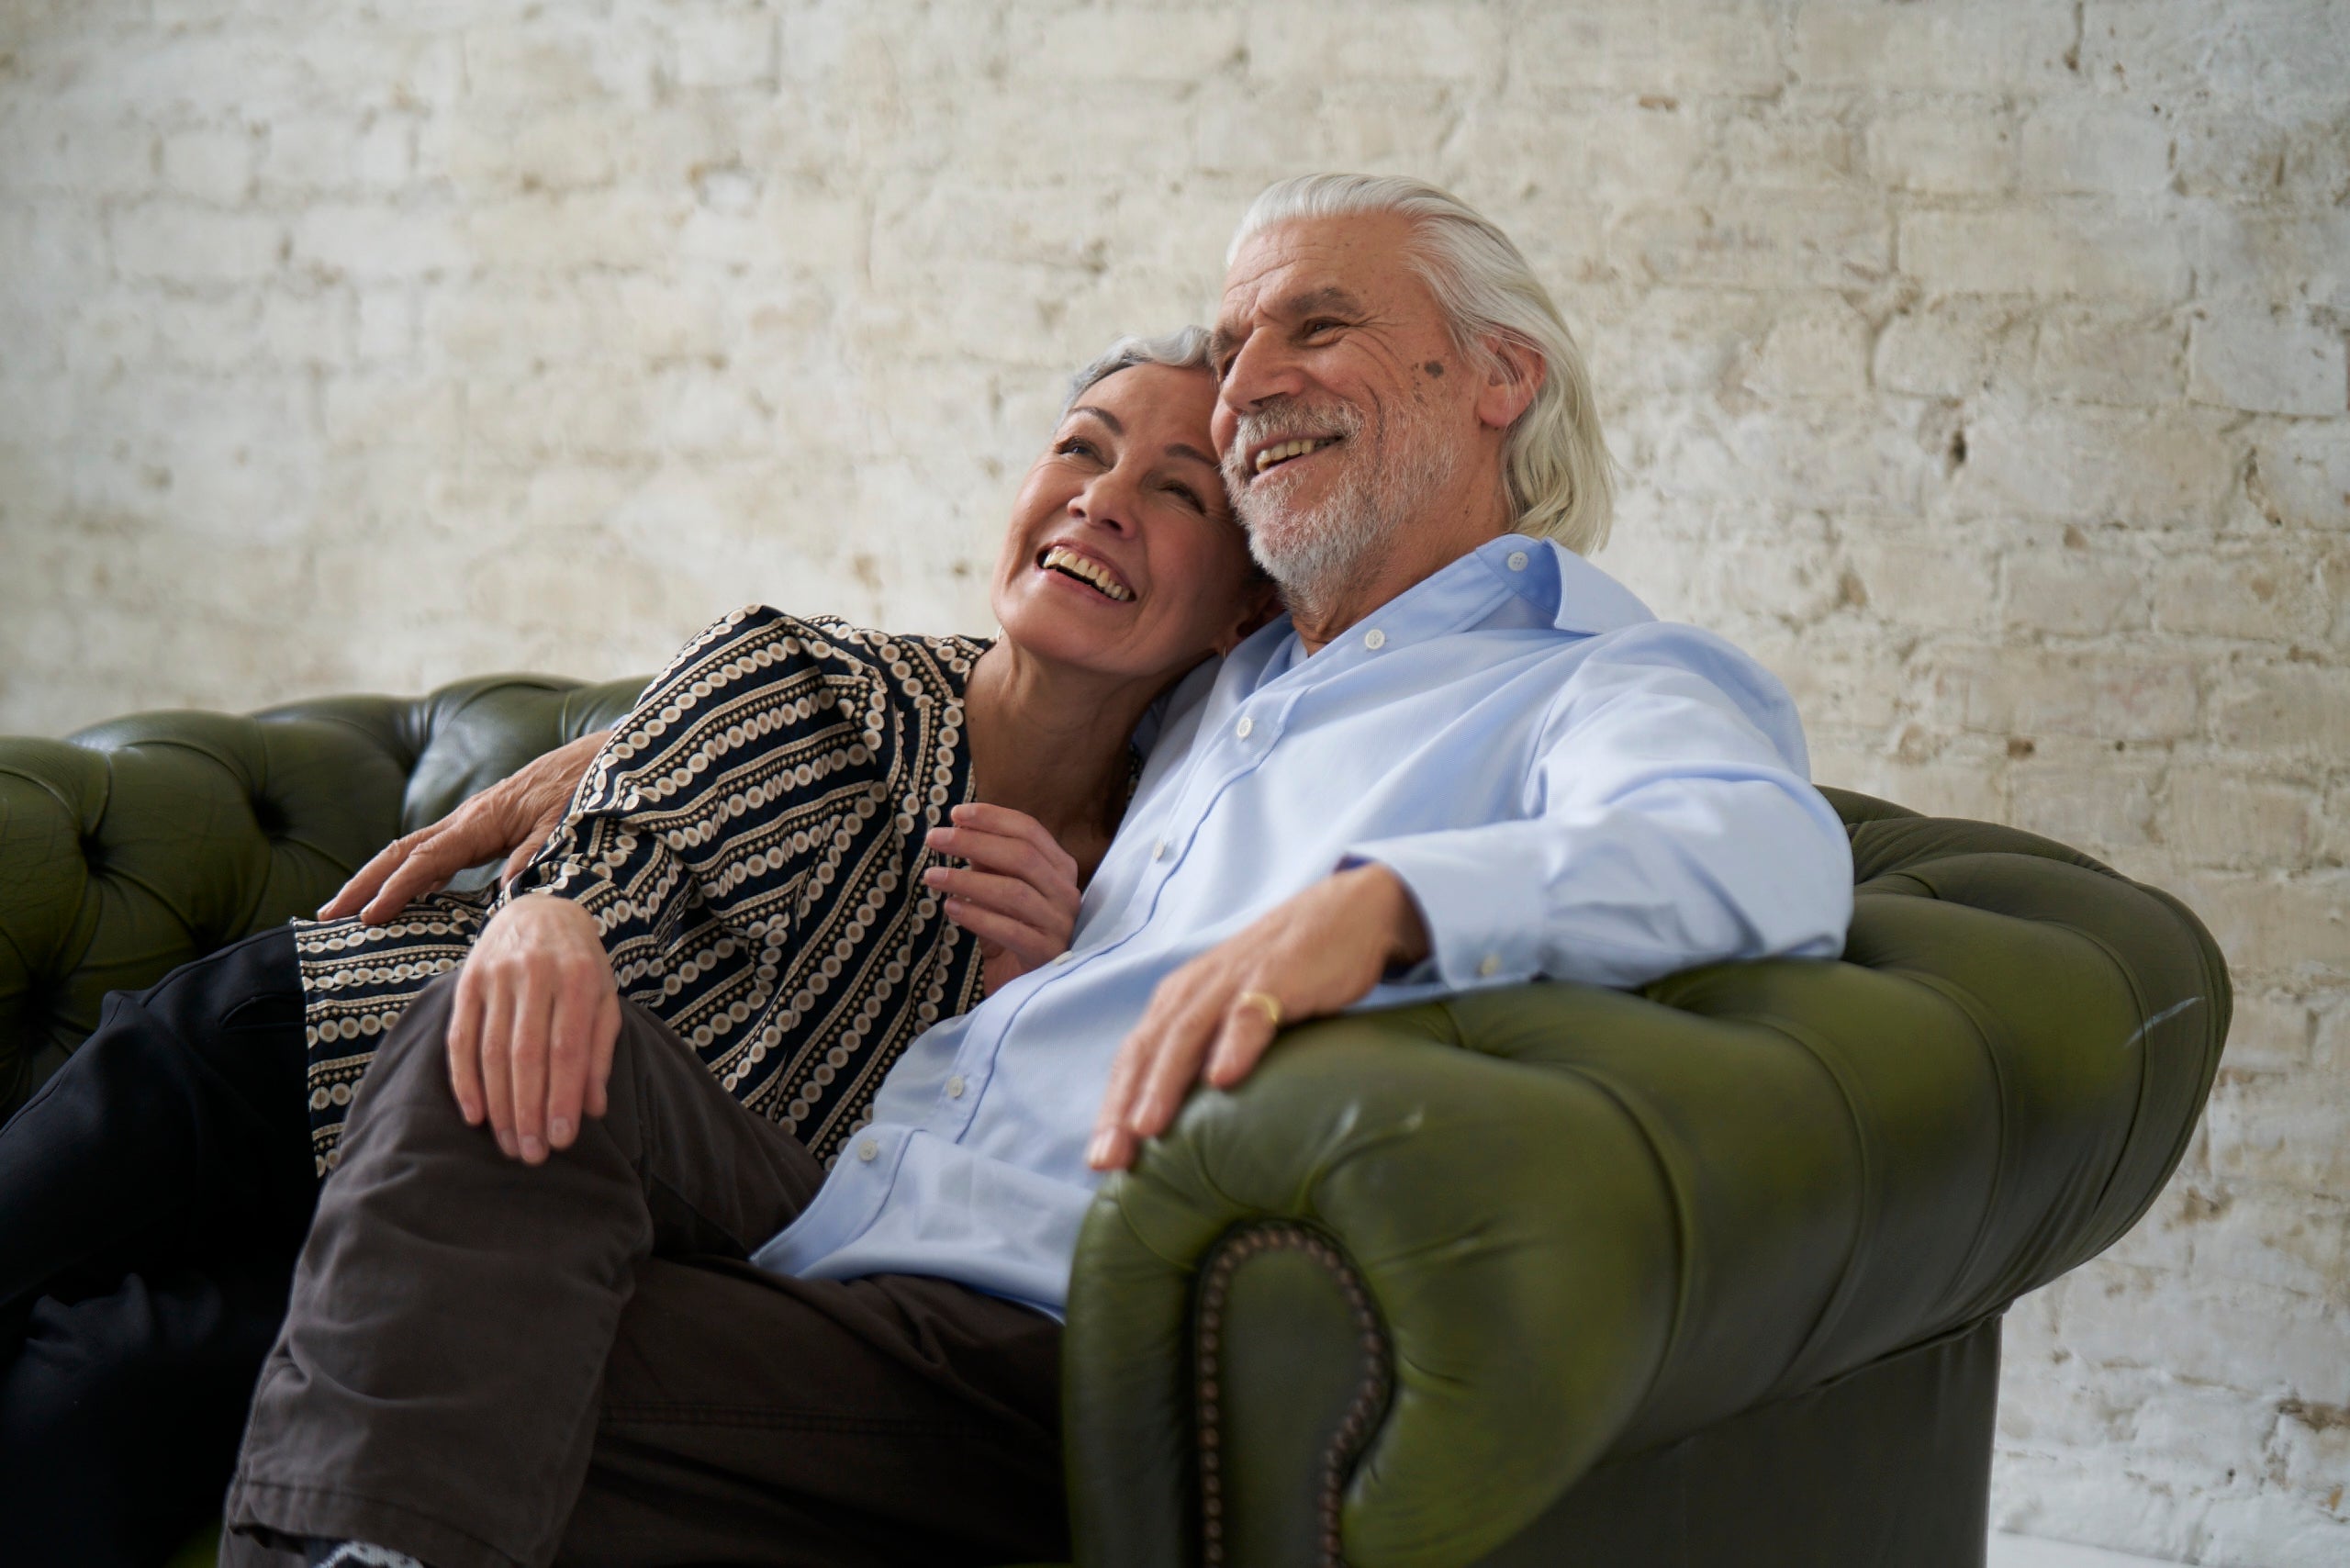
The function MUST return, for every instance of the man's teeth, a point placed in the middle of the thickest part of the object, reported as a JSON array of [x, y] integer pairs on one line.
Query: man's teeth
[[1077, 565], [1289, 449]]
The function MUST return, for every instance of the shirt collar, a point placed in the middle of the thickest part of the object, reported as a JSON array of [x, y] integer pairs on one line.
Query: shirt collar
[[1557, 584], [1568, 591]]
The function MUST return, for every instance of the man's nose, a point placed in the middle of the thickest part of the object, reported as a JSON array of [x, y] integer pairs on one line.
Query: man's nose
[[1263, 368]]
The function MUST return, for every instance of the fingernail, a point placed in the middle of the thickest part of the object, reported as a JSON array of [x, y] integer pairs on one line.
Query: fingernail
[[1098, 1152], [935, 876], [507, 1145], [559, 1132], [533, 1149]]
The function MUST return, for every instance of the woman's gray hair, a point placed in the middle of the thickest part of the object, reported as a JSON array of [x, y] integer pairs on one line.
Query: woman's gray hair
[[1560, 478], [1185, 349]]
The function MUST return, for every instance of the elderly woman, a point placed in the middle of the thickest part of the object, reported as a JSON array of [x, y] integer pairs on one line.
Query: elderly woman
[[755, 853]]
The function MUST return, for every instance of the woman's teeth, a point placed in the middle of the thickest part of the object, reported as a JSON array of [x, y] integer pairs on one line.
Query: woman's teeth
[[1059, 560], [1286, 449]]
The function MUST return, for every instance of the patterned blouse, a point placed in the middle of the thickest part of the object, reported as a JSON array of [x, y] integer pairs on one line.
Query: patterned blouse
[[750, 843]]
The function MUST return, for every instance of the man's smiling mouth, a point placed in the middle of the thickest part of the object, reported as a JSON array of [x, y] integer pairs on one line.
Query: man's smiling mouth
[[1085, 569], [1280, 452]]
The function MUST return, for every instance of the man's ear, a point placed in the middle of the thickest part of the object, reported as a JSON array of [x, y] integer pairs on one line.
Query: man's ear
[[1260, 603], [1515, 373]]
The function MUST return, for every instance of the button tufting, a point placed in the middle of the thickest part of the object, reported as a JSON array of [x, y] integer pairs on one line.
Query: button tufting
[[269, 816]]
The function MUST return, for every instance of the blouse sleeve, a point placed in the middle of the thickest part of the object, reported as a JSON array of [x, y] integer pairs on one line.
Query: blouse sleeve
[[696, 794]]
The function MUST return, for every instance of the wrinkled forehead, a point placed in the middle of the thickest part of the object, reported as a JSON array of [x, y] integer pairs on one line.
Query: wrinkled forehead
[[1361, 262]]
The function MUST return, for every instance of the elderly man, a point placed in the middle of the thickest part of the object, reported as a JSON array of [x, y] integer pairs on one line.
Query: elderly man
[[1468, 757]]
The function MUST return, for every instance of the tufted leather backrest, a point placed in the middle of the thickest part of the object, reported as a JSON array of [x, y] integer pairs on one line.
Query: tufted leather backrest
[[137, 845]]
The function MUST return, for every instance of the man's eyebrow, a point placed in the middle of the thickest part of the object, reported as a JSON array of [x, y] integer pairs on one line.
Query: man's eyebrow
[[1329, 297]]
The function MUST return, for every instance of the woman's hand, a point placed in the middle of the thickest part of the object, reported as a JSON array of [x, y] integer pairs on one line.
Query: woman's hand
[[513, 817], [537, 1012], [1019, 896]]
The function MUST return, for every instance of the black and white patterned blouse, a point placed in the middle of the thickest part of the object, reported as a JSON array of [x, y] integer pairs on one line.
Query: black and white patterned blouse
[[750, 841]]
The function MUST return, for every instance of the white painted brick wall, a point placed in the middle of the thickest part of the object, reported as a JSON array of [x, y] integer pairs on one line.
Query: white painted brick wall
[[1980, 364]]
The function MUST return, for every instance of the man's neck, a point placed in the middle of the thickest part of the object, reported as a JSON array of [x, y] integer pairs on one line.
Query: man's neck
[[1322, 612]]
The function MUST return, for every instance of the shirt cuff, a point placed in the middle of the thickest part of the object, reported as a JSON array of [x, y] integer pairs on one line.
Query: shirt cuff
[[1485, 924]]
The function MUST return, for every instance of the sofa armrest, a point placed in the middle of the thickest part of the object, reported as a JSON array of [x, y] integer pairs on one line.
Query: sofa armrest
[[137, 845], [1587, 1223]]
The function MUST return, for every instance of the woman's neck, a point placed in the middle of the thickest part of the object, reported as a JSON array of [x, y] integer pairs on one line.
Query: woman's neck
[[1052, 741]]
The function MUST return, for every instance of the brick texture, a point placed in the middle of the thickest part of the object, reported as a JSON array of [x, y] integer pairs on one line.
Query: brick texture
[[1979, 363]]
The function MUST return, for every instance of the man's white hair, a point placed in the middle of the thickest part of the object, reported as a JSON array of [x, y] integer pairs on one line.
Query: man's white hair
[[1560, 478]]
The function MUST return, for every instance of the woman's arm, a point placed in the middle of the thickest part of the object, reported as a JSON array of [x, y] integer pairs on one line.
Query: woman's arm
[[654, 847], [513, 817]]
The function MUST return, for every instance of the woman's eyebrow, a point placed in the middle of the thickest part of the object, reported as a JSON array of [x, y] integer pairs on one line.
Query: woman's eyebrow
[[1117, 427]]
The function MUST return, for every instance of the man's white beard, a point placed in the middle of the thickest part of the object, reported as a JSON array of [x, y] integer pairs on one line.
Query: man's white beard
[[1317, 553]]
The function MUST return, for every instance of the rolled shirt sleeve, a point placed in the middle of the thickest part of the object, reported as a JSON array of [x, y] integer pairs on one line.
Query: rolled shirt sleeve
[[1668, 823]]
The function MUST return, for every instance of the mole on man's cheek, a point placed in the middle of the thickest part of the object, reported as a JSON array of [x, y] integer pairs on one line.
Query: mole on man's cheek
[[1433, 367]]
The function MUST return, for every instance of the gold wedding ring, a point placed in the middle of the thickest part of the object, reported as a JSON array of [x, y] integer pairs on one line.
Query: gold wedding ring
[[1272, 1004]]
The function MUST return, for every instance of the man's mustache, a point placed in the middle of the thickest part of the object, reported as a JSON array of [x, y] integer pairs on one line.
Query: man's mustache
[[1285, 418]]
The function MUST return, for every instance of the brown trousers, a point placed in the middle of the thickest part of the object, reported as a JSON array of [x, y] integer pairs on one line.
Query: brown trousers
[[488, 1365]]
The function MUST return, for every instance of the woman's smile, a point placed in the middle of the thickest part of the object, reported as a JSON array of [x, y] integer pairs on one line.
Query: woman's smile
[[1064, 559]]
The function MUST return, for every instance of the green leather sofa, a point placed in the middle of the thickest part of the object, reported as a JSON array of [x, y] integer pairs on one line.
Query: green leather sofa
[[1707, 1276]]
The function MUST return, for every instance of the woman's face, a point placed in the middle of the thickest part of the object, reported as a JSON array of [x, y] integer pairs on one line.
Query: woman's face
[[1122, 557]]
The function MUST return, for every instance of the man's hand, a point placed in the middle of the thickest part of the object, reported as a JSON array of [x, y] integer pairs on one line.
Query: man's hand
[[1314, 954], [513, 817], [530, 1041], [1020, 896]]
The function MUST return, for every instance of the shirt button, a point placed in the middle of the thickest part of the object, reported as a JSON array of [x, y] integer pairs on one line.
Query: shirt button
[[1242, 728], [867, 1150], [955, 1087], [1374, 639], [1488, 967], [1518, 560], [1159, 850], [1061, 957]]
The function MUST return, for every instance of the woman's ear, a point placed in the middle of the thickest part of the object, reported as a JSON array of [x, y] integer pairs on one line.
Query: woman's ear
[[1260, 603]]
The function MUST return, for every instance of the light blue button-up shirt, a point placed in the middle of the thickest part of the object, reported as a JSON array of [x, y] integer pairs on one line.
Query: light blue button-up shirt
[[1570, 787]]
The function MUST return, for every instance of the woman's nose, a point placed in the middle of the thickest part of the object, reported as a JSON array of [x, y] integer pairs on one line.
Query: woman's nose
[[1108, 500]]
